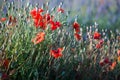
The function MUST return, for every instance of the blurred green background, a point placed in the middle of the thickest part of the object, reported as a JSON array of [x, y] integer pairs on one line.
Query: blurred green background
[[105, 12]]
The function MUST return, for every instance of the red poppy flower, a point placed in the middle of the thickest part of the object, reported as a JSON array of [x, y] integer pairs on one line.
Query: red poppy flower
[[4, 76], [47, 17], [101, 41], [36, 14], [118, 52], [77, 36], [35, 11], [106, 60], [97, 35], [39, 22], [6, 63], [102, 63], [43, 25], [112, 66], [37, 18], [118, 59], [76, 26], [58, 24], [39, 38], [36, 23], [56, 53], [98, 46], [60, 10], [3, 19], [55, 25]]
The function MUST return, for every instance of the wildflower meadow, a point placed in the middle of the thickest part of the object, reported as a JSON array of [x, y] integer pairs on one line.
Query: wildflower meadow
[[38, 43]]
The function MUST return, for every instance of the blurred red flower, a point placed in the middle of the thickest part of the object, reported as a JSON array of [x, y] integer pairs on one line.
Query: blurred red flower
[[77, 36], [6, 63], [112, 66], [55, 25], [101, 41], [60, 10], [118, 59], [102, 63], [36, 23], [106, 60], [39, 38], [58, 24], [36, 11], [56, 53], [38, 18], [4, 76], [3, 19], [76, 26], [43, 25], [118, 52], [47, 17], [98, 46], [33, 12], [96, 35]]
